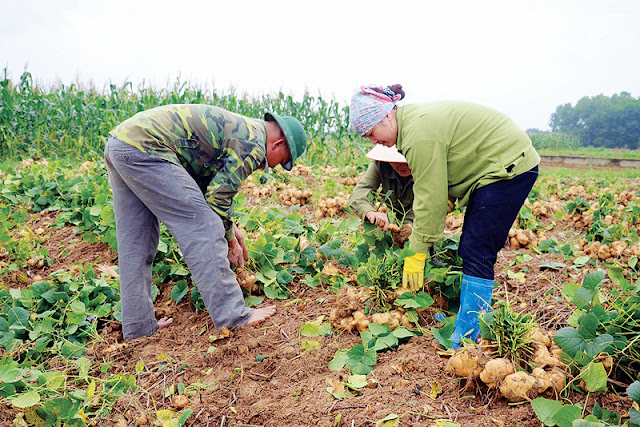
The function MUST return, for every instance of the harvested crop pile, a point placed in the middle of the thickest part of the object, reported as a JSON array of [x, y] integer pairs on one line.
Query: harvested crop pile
[[289, 194], [349, 311], [539, 374], [349, 306], [331, 206], [301, 170], [349, 180], [544, 210], [609, 252], [522, 238]]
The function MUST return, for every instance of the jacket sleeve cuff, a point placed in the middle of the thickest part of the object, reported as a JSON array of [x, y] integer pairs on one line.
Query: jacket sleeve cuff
[[417, 245]]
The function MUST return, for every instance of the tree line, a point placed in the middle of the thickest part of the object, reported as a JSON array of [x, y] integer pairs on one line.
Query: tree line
[[601, 121]]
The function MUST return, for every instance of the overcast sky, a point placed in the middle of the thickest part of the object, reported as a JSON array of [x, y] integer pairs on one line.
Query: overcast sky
[[522, 57]]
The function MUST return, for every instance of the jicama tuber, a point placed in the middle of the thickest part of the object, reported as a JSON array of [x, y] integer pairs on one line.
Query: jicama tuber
[[495, 371], [517, 386]]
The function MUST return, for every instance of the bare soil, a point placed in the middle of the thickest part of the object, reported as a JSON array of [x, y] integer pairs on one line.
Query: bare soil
[[260, 376]]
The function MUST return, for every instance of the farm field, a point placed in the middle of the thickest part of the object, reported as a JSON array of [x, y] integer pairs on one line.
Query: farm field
[[279, 372], [346, 347]]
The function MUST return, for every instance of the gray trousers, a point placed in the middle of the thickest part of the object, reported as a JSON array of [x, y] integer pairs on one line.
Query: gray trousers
[[147, 190]]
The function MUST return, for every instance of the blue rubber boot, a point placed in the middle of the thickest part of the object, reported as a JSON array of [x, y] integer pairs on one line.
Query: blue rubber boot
[[475, 298]]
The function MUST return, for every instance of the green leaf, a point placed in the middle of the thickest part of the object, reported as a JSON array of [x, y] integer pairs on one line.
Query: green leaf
[[588, 327], [443, 335], [10, 374], [419, 301], [309, 345], [78, 307], [324, 330], [634, 417], [552, 265], [581, 261], [595, 377], [361, 360], [356, 382], [313, 329], [386, 341], [583, 297], [634, 391], [339, 360], [252, 301], [592, 280], [545, 409], [18, 318], [601, 343], [361, 368], [605, 415], [95, 210], [586, 423], [25, 400], [569, 290], [378, 329], [309, 330], [569, 340], [566, 415], [179, 290], [390, 420], [402, 332], [52, 380], [183, 418]]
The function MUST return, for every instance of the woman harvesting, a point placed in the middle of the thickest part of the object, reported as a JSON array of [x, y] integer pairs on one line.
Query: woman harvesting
[[460, 150]]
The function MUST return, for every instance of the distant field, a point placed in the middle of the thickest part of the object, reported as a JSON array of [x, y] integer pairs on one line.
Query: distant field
[[592, 152]]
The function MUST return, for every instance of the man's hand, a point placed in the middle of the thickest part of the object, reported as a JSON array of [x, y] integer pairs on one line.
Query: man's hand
[[235, 253], [240, 238], [238, 252], [378, 218], [413, 272]]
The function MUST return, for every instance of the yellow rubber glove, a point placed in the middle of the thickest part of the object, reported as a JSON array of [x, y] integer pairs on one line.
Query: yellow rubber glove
[[413, 272]]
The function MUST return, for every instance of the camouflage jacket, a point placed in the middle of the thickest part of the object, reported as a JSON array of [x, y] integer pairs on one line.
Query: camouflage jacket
[[218, 148]]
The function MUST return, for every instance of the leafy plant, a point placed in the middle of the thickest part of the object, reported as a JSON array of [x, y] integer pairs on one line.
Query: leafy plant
[[361, 358], [509, 330], [553, 412]]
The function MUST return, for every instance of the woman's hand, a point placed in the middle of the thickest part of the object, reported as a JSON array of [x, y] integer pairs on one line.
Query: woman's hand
[[378, 218], [413, 272]]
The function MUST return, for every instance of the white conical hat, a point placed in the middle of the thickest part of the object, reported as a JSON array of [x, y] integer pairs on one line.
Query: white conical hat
[[382, 153]]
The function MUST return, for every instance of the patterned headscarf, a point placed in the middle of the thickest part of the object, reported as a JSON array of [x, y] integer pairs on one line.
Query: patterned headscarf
[[369, 105]]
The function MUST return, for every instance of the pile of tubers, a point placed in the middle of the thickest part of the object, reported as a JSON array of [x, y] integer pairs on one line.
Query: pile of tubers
[[348, 313], [522, 238], [289, 194], [331, 206], [501, 374]]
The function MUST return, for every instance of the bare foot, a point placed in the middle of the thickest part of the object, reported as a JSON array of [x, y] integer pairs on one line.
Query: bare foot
[[261, 314], [164, 322]]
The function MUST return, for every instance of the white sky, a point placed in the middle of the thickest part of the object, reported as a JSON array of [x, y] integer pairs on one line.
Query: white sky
[[523, 57]]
